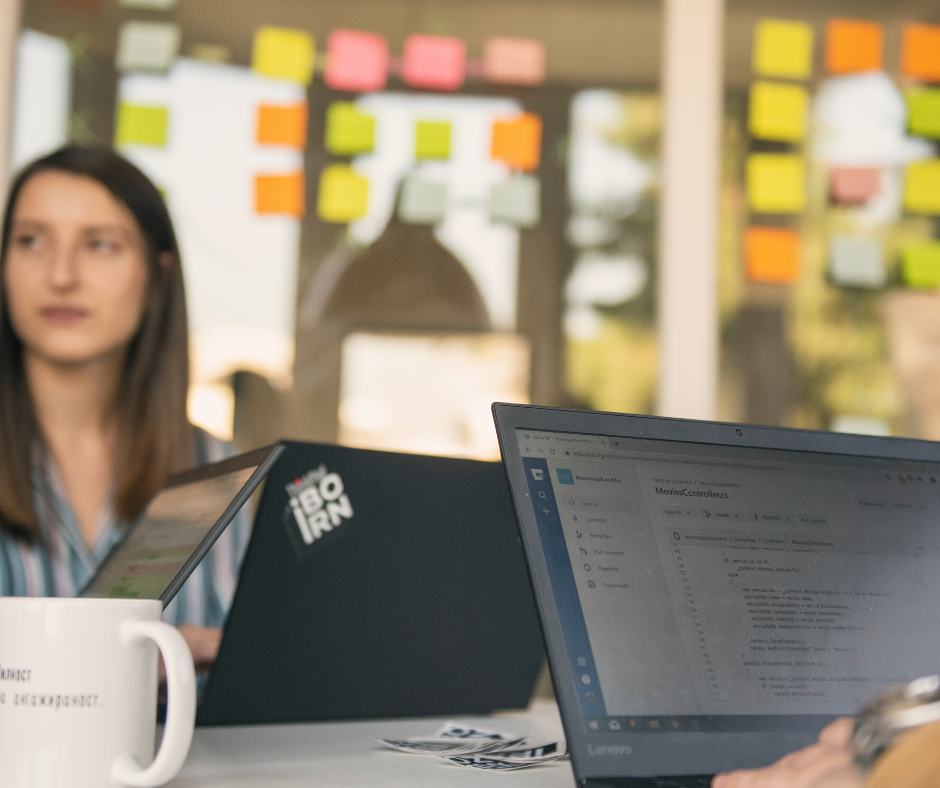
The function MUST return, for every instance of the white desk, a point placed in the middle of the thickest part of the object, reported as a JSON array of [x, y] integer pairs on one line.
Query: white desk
[[346, 755]]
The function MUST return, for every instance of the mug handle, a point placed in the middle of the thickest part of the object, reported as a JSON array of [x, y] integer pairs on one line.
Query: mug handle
[[180, 712]]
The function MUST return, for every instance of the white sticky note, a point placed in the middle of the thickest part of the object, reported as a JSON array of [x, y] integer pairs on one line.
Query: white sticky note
[[147, 46], [856, 262], [517, 201], [422, 202], [149, 5]]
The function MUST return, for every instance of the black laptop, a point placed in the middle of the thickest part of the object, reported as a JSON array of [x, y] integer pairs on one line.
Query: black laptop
[[377, 584], [712, 595]]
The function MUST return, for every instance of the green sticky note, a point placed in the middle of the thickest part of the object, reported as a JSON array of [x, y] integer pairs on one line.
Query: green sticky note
[[138, 124], [777, 112], [783, 48], [923, 112], [348, 130], [432, 139], [344, 194], [776, 183], [922, 187], [920, 265]]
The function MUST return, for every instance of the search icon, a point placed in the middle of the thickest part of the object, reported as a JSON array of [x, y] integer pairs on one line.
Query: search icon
[[542, 495]]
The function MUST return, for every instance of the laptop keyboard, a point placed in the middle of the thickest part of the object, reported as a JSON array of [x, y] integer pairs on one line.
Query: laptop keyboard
[[685, 781]]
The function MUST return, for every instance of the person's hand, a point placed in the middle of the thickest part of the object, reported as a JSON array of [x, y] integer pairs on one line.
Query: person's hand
[[826, 764], [203, 644]]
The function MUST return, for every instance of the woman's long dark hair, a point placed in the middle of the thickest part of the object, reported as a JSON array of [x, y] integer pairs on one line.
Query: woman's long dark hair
[[154, 436]]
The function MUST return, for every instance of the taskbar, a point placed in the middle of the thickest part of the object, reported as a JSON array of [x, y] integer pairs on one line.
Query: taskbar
[[708, 723]]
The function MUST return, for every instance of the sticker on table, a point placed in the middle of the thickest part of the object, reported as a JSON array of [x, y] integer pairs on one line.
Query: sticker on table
[[853, 46], [349, 131], [922, 187], [772, 255], [280, 194], [432, 139], [436, 62], [856, 262], [138, 124], [783, 48], [920, 52], [923, 112], [854, 185], [518, 142], [776, 183], [514, 61], [920, 265], [777, 112], [516, 201], [147, 46], [422, 201], [283, 53], [356, 60], [282, 124], [343, 195]]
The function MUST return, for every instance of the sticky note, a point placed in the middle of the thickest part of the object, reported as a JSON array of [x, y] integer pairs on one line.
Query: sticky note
[[920, 265], [856, 262], [349, 131], [776, 183], [783, 49], [283, 53], [518, 142], [772, 255], [514, 61], [280, 194], [432, 139], [922, 187], [777, 112], [854, 45], [436, 62], [282, 124], [854, 185], [147, 46], [344, 194], [149, 5], [516, 201], [920, 52], [356, 60], [923, 112], [421, 201], [137, 124]]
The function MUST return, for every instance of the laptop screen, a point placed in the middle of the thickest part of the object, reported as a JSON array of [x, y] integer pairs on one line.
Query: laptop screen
[[721, 588]]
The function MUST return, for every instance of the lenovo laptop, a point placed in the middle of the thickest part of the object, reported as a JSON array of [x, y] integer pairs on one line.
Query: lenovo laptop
[[711, 594], [178, 527], [377, 584]]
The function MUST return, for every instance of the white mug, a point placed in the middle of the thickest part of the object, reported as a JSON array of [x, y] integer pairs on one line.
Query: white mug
[[78, 693]]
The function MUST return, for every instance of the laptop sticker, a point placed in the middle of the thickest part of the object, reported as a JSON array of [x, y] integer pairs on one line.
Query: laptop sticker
[[317, 506]]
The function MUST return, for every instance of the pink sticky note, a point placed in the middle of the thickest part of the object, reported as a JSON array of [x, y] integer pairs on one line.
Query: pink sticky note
[[435, 62], [514, 61], [356, 60], [854, 185]]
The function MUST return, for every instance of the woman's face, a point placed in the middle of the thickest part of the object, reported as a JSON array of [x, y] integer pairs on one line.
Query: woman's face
[[76, 272]]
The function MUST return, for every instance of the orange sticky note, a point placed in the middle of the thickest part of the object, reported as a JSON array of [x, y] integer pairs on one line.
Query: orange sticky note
[[853, 45], [518, 142], [283, 124], [920, 52], [772, 254], [282, 194]]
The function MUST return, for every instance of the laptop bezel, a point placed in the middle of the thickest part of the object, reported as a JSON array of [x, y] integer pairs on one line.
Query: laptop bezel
[[262, 459], [510, 417]]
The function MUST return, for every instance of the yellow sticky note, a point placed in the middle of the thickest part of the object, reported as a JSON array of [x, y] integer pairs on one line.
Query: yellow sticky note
[[283, 53], [138, 124], [922, 187], [777, 112], [783, 48], [344, 194], [348, 131], [920, 265], [432, 139], [776, 183]]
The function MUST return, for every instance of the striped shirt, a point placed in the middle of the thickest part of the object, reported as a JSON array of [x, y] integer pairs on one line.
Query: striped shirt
[[60, 563]]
